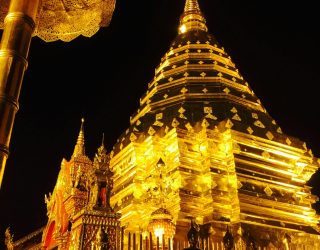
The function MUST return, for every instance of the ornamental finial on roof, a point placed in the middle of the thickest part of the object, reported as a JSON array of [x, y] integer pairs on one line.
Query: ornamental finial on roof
[[101, 159], [192, 5], [79, 148], [102, 152], [192, 18], [102, 142]]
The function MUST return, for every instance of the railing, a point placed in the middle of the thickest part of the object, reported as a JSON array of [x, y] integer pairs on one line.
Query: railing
[[138, 242], [132, 241]]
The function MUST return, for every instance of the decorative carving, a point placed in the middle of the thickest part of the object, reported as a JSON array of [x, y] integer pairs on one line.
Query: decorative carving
[[159, 187], [68, 19], [49, 202], [90, 232], [9, 239], [94, 194], [101, 241]]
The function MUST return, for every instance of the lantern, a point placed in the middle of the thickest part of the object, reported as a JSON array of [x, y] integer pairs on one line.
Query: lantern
[[161, 225]]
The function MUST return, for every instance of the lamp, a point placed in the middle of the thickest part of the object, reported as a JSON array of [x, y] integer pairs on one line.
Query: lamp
[[161, 225]]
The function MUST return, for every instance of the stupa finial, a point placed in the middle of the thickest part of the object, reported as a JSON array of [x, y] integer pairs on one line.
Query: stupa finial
[[192, 6], [79, 148], [192, 18]]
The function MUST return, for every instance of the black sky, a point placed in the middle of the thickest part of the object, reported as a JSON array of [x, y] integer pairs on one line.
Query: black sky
[[273, 44]]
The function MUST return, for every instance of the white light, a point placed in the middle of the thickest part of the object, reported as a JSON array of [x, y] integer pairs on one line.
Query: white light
[[159, 232], [301, 164], [183, 28]]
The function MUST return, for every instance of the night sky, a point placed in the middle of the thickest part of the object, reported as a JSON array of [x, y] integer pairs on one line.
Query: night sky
[[273, 44]]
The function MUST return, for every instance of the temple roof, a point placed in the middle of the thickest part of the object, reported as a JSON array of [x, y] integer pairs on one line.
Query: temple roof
[[197, 84]]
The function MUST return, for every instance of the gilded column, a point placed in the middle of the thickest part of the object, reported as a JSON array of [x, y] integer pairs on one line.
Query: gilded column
[[19, 25]]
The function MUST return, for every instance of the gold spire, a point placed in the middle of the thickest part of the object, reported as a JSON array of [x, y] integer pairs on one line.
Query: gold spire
[[102, 150], [192, 5], [192, 18], [102, 143], [79, 148]]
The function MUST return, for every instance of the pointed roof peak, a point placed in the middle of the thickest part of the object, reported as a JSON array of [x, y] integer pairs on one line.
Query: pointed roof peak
[[101, 157], [192, 18], [102, 142], [102, 148], [79, 147]]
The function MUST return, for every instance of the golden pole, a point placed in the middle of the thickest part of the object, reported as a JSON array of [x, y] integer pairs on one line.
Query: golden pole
[[19, 25]]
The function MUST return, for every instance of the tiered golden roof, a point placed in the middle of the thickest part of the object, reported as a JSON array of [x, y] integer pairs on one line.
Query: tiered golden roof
[[226, 159]]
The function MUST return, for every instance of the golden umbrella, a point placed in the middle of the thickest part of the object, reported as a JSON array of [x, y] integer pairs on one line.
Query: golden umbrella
[[50, 20]]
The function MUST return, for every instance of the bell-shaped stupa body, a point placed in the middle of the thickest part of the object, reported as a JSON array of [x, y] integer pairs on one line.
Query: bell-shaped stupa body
[[225, 161]]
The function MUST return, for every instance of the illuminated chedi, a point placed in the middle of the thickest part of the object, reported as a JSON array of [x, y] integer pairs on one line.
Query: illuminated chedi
[[79, 212], [202, 151], [226, 162]]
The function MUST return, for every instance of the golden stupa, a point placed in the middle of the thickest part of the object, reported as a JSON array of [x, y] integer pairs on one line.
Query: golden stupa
[[226, 162], [201, 150]]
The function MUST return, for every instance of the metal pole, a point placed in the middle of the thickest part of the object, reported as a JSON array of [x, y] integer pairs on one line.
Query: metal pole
[[134, 242], [19, 26], [129, 241], [151, 243], [122, 238]]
